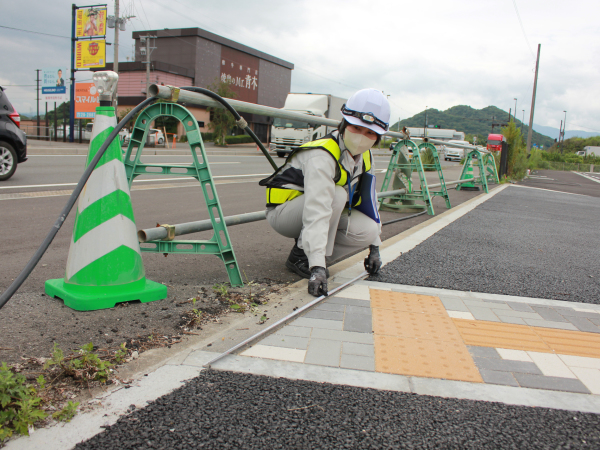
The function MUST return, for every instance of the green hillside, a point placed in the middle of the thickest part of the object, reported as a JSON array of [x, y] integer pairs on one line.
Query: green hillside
[[476, 122]]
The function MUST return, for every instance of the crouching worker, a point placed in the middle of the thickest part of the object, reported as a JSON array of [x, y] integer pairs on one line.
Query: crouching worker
[[324, 195]]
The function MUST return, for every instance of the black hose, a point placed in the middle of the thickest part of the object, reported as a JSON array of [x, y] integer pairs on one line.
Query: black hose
[[403, 218], [230, 108], [16, 284]]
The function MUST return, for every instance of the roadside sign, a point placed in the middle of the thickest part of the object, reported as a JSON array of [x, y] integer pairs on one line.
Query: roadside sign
[[54, 87], [86, 100], [90, 54], [90, 22]]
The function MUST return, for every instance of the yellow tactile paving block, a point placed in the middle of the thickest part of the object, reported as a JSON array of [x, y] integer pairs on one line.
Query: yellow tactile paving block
[[414, 325], [576, 343], [424, 358], [400, 301], [500, 335]]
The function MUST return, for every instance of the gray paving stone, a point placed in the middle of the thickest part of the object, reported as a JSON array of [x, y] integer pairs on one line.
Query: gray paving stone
[[595, 321], [278, 340], [317, 323], [521, 314], [549, 314], [327, 315], [568, 312], [497, 302], [547, 324], [523, 307], [454, 304], [486, 304], [360, 323], [349, 302], [496, 377], [483, 314], [352, 348], [358, 310], [583, 324], [346, 336], [323, 352], [509, 319], [358, 362], [330, 306], [505, 365], [290, 330], [483, 352], [552, 383]]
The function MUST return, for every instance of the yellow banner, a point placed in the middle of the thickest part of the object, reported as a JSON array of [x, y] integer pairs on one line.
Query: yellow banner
[[90, 54], [90, 22]]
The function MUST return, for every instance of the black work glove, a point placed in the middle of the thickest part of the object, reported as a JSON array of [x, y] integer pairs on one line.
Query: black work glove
[[317, 283], [373, 261]]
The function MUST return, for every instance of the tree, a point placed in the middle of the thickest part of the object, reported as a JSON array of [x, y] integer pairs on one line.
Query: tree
[[517, 158], [221, 120]]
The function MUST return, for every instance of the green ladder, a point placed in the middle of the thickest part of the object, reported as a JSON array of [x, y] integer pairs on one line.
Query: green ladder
[[399, 172], [219, 244], [489, 162]]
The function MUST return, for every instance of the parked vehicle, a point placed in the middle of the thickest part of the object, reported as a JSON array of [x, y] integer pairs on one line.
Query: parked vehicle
[[455, 153], [159, 137], [590, 150], [494, 142], [286, 134], [13, 141]]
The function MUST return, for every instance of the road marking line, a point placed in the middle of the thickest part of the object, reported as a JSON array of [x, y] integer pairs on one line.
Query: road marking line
[[589, 177], [138, 181]]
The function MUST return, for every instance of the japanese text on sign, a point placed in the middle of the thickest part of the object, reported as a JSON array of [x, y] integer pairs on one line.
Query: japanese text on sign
[[90, 22]]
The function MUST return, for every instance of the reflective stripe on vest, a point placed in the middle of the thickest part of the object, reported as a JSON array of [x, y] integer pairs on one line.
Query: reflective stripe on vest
[[278, 195]]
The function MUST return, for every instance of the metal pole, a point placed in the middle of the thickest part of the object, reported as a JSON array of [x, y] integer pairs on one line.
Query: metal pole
[[515, 116], [47, 131], [284, 320], [55, 123], [147, 66], [162, 232], [560, 132], [72, 96], [530, 131], [195, 98], [37, 90], [565, 126]]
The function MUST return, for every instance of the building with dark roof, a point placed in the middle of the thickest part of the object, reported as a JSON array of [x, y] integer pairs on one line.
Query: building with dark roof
[[196, 57]]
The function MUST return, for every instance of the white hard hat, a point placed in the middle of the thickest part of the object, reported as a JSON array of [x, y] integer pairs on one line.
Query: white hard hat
[[368, 108]]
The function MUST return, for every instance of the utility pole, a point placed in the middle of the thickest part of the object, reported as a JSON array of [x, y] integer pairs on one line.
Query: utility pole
[[560, 134], [565, 126], [515, 116], [37, 92], [146, 51], [425, 124], [530, 131]]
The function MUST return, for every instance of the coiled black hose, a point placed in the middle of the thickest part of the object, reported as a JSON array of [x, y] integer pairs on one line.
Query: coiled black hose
[[16, 284], [235, 114]]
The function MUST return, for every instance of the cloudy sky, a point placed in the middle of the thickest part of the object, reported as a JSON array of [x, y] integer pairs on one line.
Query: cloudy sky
[[429, 53]]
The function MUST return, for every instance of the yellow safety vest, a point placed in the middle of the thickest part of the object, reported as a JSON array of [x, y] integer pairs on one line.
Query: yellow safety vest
[[277, 194]]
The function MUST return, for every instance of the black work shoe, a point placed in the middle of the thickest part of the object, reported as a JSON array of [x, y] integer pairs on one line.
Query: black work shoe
[[298, 262]]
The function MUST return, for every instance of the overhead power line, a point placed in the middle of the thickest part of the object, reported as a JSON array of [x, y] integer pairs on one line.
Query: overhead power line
[[35, 32], [523, 28]]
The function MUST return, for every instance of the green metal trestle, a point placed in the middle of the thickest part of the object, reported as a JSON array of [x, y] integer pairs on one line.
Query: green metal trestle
[[399, 172], [219, 244]]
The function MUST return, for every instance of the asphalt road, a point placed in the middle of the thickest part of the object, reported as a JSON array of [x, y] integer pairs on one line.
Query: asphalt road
[[523, 242]]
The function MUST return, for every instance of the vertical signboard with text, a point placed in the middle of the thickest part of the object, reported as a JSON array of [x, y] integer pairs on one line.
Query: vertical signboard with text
[[54, 87], [86, 100], [90, 22], [241, 71]]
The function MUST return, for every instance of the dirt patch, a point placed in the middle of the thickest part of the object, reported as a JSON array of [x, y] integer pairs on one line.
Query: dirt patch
[[30, 324]]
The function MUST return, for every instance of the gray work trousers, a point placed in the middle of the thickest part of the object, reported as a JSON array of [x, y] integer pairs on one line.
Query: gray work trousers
[[345, 234]]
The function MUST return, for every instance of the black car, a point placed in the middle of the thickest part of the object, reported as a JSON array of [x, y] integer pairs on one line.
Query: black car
[[13, 142]]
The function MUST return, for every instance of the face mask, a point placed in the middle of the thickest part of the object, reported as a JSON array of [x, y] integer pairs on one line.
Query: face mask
[[357, 143]]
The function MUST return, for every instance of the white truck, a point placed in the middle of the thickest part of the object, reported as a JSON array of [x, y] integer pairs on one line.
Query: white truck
[[589, 151], [288, 134]]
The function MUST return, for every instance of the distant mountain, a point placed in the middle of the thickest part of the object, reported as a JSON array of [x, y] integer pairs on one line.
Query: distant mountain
[[553, 132], [471, 121]]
